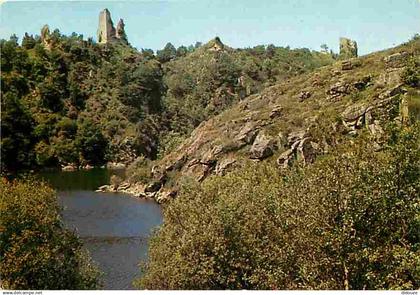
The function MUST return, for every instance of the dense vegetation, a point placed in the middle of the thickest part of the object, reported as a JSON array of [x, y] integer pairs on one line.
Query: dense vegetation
[[349, 221], [36, 252], [75, 102]]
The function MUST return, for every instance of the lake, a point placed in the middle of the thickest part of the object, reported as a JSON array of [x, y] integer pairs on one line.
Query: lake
[[115, 227]]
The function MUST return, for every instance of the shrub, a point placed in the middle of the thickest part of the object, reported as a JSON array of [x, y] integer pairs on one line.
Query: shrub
[[36, 252], [350, 221]]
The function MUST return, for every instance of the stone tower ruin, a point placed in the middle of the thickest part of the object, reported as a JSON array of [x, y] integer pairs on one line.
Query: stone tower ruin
[[106, 30], [348, 48]]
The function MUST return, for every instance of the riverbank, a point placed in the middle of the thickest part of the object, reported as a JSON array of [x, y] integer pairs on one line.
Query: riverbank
[[115, 227], [153, 192]]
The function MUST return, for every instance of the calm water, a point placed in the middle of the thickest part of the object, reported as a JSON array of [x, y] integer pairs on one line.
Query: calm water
[[115, 227]]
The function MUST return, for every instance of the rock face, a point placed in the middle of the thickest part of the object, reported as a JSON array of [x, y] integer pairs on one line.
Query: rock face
[[262, 147], [106, 30], [348, 48], [289, 109], [120, 32]]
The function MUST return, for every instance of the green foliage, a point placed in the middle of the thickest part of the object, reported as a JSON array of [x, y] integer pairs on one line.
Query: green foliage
[[91, 142], [208, 80], [349, 221], [36, 252], [17, 140], [167, 53]]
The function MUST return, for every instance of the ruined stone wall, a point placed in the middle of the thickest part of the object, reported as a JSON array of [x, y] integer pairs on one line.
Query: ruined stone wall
[[348, 48], [106, 30]]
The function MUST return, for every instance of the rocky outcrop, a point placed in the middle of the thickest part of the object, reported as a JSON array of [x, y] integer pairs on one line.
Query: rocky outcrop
[[342, 88], [304, 95], [293, 109], [358, 116], [46, 39], [224, 166], [348, 48], [263, 147], [301, 147], [106, 30], [120, 31], [396, 60], [350, 64]]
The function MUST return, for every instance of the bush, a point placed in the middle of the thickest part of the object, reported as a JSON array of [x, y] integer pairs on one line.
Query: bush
[[350, 221], [36, 252]]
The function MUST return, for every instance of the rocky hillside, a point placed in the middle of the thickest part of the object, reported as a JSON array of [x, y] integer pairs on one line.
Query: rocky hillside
[[295, 120]]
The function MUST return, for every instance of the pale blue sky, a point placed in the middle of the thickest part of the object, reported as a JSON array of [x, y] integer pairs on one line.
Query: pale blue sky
[[374, 24]]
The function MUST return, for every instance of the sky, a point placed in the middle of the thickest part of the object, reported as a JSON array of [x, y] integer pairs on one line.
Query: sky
[[374, 24]]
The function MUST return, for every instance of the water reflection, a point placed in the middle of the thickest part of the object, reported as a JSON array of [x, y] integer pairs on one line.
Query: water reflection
[[114, 227]]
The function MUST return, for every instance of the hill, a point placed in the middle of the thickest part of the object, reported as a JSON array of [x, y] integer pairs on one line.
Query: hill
[[73, 103], [299, 119]]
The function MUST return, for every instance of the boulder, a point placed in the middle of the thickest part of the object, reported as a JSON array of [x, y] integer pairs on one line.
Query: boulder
[[286, 159], [153, 186], [276, 112], [338, 90], [115, 166], [353, 112], [307, 150], [262, 147], [165, 195], [304, 95], [362, 83], [224, 165], [396, 60], [295, 136], [68, 168], [247, 134], [350, 64]]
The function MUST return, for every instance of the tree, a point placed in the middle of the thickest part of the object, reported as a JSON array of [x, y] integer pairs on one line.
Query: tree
[[349, 221], [28, 41], [17, 140], [167, 53], [324, 48], [36, 252], [91, 142]]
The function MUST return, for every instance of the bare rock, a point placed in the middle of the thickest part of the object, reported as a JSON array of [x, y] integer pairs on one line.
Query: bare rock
[[115, 166], [153, 186], [338, 90], [198, 170], [210, 156], [224, 165], [304, 95], [262, 147], [354, 112], [362, 83], [296, 136], [307, 151], [177, 163], [68, 168], [350, 64], [276, 112], [396, 60], [165, 195], [247, 134], [286, 159]]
